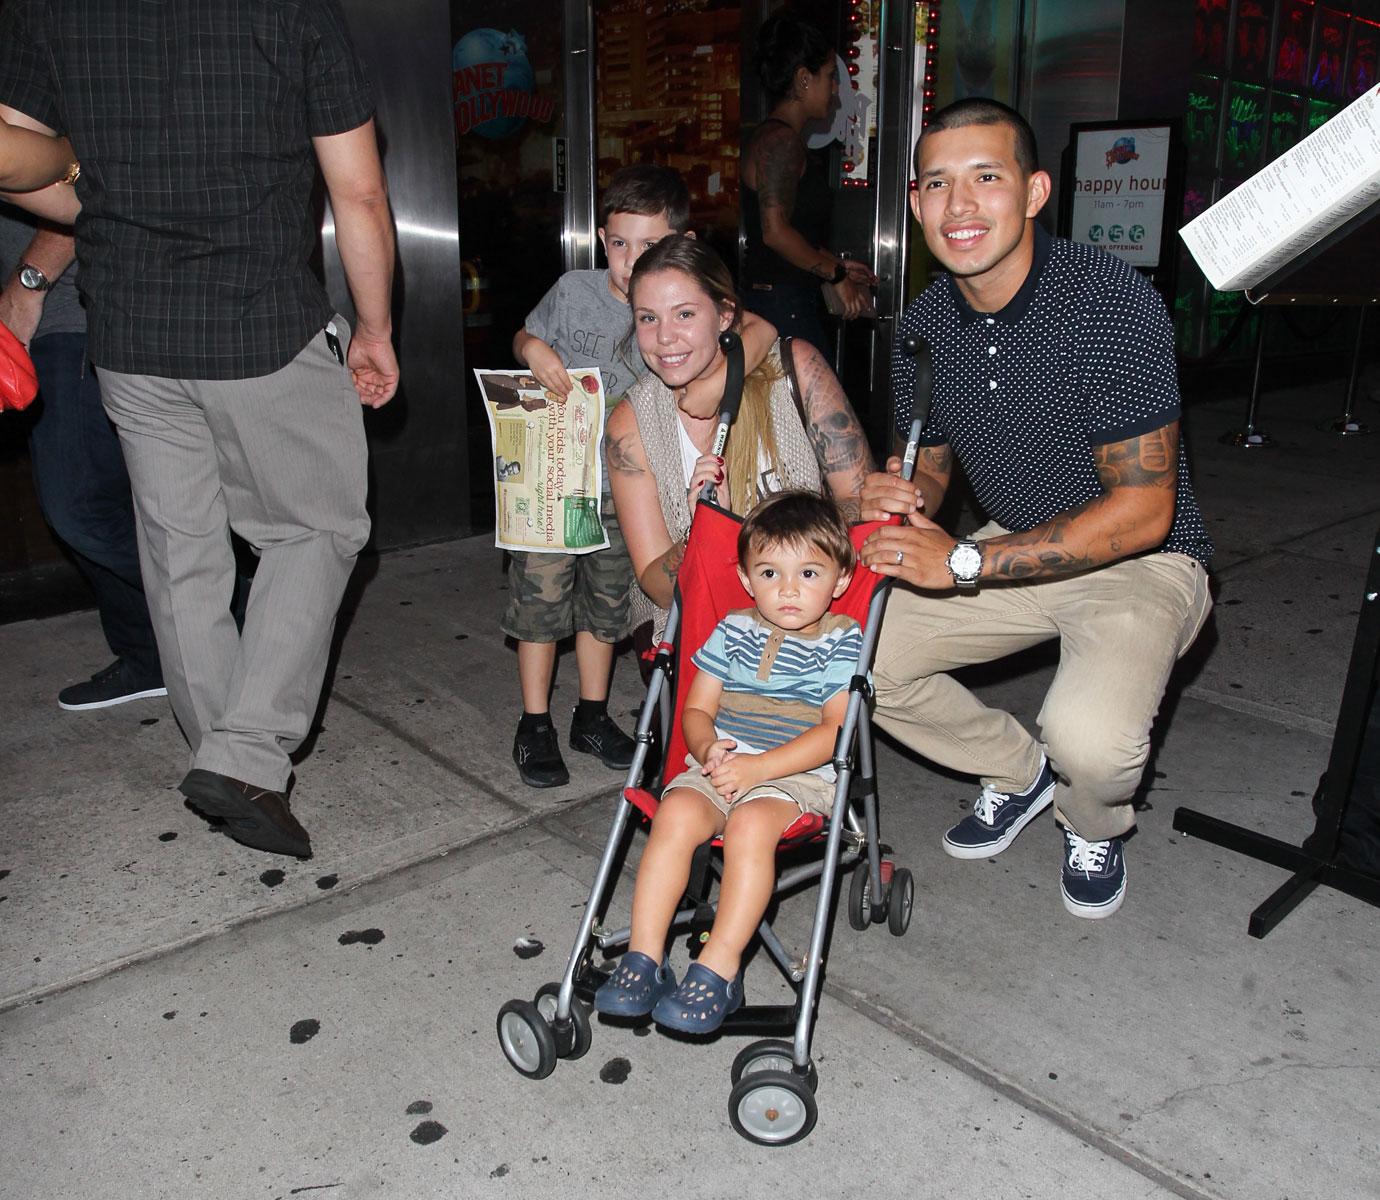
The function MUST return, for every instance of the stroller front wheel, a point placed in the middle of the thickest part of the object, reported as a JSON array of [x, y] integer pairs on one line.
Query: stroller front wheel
[[770, 1055], [772, 1108], [573, 1042], [527, 1041]]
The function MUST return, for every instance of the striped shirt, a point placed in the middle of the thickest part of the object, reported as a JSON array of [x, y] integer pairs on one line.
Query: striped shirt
[[776, 682]]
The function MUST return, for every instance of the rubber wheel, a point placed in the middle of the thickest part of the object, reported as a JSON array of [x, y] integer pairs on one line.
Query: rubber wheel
[[902, 901], [527, 1041], [579, 1036], [772, 1108], [860, 897], [770, 1055]]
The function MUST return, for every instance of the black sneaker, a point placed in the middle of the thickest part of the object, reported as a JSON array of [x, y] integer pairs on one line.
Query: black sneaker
[[1094, 883], [603, 739], [538, 757], [117, 684], [998, 817]]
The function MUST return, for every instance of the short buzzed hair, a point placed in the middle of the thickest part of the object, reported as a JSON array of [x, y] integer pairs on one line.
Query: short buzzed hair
[[979, 110], [797, 518], [648, 191]]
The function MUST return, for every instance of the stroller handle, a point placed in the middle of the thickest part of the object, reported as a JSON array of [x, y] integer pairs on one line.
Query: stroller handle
[[918, 349], [732, 346]]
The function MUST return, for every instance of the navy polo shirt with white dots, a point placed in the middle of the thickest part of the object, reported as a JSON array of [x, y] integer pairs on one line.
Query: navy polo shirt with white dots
[[1082, 356]]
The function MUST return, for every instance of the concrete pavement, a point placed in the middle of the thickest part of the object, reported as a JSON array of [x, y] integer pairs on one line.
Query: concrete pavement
[[180, 1016]]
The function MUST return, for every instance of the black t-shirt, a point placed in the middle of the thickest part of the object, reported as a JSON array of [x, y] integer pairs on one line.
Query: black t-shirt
[[193, 123], [1082, 356]]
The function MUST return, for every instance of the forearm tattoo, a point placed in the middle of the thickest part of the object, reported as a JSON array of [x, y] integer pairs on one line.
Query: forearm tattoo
[[1101, 530], [671, 560]]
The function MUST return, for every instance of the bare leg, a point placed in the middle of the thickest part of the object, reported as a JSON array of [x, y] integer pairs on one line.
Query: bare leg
[[750, 841], [536, 664], [595, 662], [684, 821]]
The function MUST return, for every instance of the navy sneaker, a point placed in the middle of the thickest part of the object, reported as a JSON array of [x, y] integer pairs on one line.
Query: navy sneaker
[[1094, 883], [998, 817]]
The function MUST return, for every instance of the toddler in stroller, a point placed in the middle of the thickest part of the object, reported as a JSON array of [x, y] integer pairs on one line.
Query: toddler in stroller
[[760, 721]]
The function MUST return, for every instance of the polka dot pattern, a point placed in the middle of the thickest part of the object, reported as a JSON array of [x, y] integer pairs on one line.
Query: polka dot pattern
[[1082, 356]]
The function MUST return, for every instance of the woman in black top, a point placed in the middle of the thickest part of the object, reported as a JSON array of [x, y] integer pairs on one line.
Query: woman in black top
[[786, 200]]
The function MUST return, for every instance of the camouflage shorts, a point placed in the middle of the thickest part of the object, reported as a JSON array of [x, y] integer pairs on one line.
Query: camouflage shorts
[[552, 596]]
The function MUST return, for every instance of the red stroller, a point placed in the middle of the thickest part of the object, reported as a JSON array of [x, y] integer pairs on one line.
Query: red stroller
[[771, 1101]]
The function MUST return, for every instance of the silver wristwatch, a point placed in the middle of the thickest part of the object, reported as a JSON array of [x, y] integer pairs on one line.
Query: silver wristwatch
[[965, 563], [33, 279]]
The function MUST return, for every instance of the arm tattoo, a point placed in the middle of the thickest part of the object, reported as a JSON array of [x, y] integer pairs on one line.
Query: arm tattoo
[[671, 560], [779, 157], [834, 432], [621, 457], [1101, 530], [1150, 460]]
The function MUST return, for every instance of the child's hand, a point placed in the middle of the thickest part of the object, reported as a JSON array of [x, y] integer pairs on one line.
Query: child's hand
[[716, 753], [546, 365], [736, 774]]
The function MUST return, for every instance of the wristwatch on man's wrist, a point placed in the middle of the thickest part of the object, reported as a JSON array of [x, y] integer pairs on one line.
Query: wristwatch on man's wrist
[[965, 563], [840, 273], [33, 279]]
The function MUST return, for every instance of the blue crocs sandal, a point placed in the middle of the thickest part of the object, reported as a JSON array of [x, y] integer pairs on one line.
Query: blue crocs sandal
[[634, 987], [701, 1002]]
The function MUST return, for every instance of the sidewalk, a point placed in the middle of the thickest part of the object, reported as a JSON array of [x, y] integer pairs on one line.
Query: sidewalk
[[152, 973]]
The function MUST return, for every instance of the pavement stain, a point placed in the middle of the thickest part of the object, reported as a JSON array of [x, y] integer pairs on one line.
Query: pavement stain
[[526, 947], [170, 836], [304, 1030], [370, 937], [326, 882], [419, 1108], [428, 1132], [616, 1070], [272, 878]]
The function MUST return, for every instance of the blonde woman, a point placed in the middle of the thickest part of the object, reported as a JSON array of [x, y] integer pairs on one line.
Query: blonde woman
[[659, 440]]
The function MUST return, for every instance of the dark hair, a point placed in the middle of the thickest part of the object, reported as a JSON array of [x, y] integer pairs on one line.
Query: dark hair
[[978, 110], [694, 258], [797, 518], [785, 44], [648, 191]]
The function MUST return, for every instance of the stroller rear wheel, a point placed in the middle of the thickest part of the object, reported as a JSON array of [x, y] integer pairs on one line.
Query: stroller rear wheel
[[864, 908], [902, 900], [772, 1108], [527, 1041], [573, 1042], [770, 1055]]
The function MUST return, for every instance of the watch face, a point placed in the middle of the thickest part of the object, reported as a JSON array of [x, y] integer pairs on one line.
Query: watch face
[[965, 561], [33, 279]]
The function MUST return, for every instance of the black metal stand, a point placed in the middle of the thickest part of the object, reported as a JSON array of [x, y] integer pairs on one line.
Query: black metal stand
[[1347, 425], [1316, 862], [1249, 437]]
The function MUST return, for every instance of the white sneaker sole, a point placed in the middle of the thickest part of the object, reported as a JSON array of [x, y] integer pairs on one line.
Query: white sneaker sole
[[147, 694], [1093, 912], [992, 849]]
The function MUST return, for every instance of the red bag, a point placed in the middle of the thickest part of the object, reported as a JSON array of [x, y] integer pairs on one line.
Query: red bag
[[18, 380]]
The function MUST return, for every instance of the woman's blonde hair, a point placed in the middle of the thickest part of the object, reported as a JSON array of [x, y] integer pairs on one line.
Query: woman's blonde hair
[[752, 440]]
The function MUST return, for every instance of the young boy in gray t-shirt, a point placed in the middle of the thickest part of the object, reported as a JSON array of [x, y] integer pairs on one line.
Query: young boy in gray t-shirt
[[584, 321]]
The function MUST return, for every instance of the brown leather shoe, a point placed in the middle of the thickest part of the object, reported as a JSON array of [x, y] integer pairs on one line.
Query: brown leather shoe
[[253, 816]]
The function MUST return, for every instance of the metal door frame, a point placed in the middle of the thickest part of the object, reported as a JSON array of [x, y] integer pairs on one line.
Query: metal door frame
[[580, 221]]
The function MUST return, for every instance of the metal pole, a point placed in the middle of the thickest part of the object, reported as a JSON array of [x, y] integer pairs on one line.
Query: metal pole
[[1251, 438]]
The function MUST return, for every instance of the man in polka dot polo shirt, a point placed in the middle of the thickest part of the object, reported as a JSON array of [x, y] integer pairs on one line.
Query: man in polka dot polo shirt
[[1055, 391]]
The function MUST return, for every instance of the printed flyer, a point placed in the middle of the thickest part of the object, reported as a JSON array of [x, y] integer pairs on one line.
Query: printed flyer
[[547, 467]]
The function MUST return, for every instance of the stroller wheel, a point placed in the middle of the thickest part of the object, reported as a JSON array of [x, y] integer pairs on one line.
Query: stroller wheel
[[772, 1108], [527, 1041], [770, 1055], [575, 1041], [902, 901], [860, 897]]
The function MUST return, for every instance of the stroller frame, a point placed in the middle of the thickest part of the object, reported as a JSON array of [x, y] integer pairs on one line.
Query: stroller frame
[[772, 1097]]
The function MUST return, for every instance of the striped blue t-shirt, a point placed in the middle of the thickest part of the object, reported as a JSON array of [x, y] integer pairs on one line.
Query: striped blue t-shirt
[[776, 682]]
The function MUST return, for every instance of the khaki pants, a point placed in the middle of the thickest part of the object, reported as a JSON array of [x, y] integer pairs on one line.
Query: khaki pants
[[1121, 629]]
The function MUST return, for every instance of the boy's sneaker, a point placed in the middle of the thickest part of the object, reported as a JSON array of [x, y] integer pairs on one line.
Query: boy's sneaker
[[117, 684], [998, 817], [1094, 883], [538, 756], [600, 737]]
